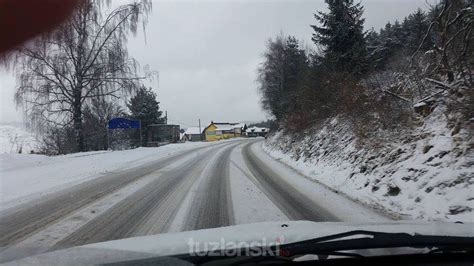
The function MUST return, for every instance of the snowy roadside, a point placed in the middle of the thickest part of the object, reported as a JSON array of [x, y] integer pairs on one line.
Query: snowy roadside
[[422, 178], [24, 177], [343, 208], [15, 139]]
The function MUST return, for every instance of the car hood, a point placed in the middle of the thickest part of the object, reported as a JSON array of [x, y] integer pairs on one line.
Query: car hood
[[267, 233]]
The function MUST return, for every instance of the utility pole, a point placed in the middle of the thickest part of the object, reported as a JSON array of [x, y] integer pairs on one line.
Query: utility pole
[[141, 137], [108, 137], [166, 117], [200, 132]]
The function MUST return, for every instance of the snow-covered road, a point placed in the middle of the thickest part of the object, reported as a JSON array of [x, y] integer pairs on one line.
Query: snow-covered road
[[191, 187]]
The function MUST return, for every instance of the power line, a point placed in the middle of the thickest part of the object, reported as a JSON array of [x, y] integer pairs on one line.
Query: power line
[[180, 123]]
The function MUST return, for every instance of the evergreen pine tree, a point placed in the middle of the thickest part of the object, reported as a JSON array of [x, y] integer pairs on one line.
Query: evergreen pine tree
[[144, 107], [416, 25], [341, 34], [295, 66], [390, 42]]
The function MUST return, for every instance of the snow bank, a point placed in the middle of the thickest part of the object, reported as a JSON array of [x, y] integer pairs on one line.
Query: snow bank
[[427, 174], [26, 176]]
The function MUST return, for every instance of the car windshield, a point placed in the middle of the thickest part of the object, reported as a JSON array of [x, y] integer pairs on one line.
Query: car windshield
[[265, 123]]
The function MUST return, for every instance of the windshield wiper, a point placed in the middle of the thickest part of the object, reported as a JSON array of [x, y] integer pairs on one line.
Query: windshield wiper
[[364, 240], [340, 244]]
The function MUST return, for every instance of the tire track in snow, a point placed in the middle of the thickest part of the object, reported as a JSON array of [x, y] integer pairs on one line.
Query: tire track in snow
[[212, 205], [148, 211], [251, 205], [23, 220], [292, 202]]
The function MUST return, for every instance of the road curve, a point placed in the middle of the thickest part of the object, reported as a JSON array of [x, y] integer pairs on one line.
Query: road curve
[[187, 191], [292, 202]]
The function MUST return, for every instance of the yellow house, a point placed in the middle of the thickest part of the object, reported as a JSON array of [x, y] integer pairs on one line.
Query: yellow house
[[210, 133], [218, 131]]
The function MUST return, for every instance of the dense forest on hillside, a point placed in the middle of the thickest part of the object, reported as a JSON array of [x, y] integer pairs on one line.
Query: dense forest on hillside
[[380, 79]]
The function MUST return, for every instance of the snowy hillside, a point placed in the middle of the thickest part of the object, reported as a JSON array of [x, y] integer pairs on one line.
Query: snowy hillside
[[427, 174], [14, 139]]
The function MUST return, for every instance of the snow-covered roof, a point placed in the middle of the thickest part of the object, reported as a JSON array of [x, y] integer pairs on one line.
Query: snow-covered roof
[[228, 126], [193, 130], [225, 127], [257, 129], [240, 125]]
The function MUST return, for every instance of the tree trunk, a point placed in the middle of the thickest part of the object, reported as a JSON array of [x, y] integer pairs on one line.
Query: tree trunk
[[77, 121]]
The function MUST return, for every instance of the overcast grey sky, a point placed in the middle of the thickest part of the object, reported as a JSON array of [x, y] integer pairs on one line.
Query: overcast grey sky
[[207, 52]]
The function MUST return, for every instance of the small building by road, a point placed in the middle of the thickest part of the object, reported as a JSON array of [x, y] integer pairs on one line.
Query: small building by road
[[193, 134], [221, 130], [253, 132], [160, 134]]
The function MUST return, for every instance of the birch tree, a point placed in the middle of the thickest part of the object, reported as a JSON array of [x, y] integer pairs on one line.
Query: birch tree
[[85, 58]]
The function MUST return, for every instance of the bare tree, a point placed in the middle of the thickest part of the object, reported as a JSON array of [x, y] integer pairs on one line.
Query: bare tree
[[84, 59], [452, 25], [445, 65], [96, 115]]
